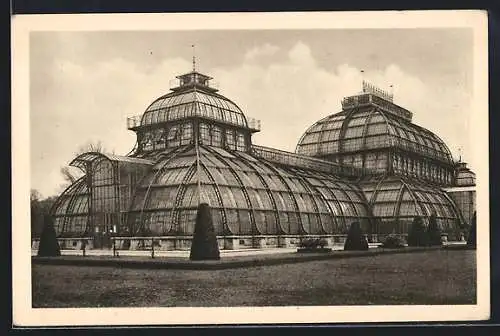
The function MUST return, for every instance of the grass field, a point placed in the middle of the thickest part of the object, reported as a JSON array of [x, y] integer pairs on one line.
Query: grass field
[[431, 277]]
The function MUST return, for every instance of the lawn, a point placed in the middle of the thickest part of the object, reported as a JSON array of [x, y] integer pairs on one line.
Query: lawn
[[431, 277]]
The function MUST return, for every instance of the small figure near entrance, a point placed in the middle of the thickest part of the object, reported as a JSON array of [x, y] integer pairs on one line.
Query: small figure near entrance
[[84, 246]]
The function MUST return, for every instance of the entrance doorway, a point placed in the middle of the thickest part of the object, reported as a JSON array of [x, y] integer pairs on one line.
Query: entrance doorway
[[104, 229]]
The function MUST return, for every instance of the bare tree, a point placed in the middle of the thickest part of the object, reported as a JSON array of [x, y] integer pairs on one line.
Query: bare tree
[[39, 208], [35, 195], [91, 147], [69, 176]]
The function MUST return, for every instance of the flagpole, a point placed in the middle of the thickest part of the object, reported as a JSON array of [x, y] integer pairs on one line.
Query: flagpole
[[196, 143], [197, 149], [362, 81], [194, 57]]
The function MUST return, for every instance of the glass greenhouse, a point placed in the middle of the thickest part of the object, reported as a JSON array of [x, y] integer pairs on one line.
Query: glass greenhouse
[[368, 164], [379, 140]]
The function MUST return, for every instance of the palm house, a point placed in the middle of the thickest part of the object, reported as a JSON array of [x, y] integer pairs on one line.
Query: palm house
[[368, 163]]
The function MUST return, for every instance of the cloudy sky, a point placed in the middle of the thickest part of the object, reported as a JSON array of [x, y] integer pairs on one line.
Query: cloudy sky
[[83, 85]]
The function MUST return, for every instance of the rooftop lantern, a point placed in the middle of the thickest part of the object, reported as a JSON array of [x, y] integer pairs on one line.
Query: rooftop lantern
[[193, 79], [192, 112], [370, 88], [372, 95]]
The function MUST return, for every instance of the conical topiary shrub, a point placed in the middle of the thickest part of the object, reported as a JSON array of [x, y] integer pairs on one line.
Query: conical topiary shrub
[[204, 245], [471, 239], [49, 247], [417, 235], [356, 240], [434, 232]]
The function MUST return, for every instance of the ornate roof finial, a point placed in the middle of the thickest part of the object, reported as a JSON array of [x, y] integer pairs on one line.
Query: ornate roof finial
[[194, 58], [370, 88], [459, 154], [363, 83]]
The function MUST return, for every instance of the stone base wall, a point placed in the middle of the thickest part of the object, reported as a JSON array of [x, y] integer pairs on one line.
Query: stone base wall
[[68, 243], [183, 243]]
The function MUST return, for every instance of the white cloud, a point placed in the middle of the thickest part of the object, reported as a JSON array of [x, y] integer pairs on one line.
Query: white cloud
[[291, 94], [89, 104], [259, 51], [300, 54]]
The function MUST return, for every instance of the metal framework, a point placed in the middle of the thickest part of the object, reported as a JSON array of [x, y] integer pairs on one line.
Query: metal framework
[[370, 138], [247, 197], [366, 164], [98, 201], [396, 201], [306, 162]]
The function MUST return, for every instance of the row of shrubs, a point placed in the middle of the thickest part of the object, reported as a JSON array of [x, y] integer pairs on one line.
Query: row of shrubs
[[419, 235], [355, 240], [205, 247]]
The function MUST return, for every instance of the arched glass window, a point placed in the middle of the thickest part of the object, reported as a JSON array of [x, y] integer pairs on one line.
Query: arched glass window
[[230, 142], [173, 136], [187, 134], [147, 141], [159, 139], [216, 136], [205, 137], [240, 142]]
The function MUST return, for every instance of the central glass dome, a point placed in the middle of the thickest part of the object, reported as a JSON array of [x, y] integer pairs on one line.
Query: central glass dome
[[194, 98]]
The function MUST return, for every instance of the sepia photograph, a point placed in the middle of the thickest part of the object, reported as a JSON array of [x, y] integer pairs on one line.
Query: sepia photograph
[[250, 168]]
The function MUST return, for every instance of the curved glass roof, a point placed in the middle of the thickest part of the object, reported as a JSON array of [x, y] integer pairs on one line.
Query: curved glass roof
[[193, 102], [81, 160], [464, 176], [247, 196], [254, 196], [396, 201], [368, 128], [71, 210]]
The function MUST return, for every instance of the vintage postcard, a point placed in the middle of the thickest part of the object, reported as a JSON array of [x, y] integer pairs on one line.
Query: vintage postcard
[[250, 168]]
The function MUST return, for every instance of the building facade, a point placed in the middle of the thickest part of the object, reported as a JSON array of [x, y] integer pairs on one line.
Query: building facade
[[368, 163], [463, 192]]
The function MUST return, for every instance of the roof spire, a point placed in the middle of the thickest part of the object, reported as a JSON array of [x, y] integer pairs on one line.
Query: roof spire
[[363, 83], [194, 58], [372, 89]]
